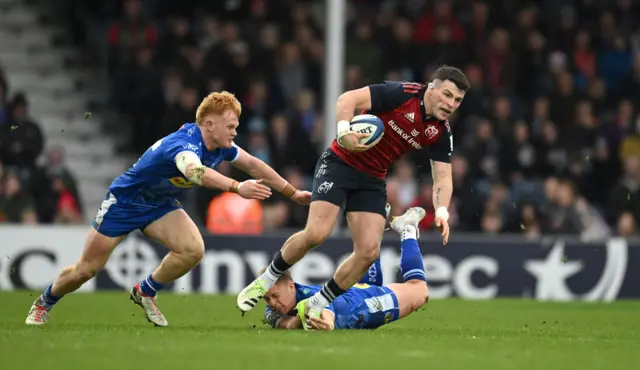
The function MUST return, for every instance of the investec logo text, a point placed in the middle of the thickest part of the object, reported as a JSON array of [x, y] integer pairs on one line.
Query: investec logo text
[[404, 135]]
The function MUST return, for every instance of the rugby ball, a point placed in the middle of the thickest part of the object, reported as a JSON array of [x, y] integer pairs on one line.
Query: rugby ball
[[370, 124]]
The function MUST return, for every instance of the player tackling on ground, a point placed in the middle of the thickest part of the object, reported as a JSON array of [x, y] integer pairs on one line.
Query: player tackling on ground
[[415, 117], [366, 305], [145, 198]]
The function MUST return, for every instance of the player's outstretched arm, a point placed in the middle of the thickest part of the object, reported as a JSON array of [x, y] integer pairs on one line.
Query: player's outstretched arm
[[260, 170], [189, 164], [326, 321], [442, 193], [289, 323]]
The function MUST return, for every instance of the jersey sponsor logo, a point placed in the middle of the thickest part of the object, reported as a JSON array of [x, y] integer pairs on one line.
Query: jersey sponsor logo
[[191, 147], [181, 182], [404, 135], [410, 116], [431, 131], [415, 132]]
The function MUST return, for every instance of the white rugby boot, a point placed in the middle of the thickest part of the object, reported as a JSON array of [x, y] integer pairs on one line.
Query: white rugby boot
[[149, 306], [38, 315], [412, 217], [252, 294]]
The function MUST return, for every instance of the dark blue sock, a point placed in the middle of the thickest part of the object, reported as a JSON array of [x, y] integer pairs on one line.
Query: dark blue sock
[[150, 287], [49, 300], [411, 264], [374, 275]]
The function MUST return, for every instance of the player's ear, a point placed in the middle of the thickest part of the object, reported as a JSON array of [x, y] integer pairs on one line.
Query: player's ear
[[209, 125]]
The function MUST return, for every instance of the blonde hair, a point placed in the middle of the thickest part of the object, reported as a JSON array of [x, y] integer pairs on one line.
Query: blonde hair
[[217, 103]]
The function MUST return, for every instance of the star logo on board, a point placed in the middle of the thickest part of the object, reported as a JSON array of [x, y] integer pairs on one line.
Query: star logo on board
[[552, 273]]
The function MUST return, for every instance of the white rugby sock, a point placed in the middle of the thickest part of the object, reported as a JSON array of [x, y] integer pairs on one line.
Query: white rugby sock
[[409, 232]]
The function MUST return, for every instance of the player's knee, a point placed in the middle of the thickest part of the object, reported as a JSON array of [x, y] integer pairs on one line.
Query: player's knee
[[194, 252], [422, 294], [315, 235], [368, 253], [85, 271]]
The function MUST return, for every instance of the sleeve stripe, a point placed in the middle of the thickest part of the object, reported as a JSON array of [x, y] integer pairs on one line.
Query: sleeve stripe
[[235, 158], [415, 84], [412, 87]]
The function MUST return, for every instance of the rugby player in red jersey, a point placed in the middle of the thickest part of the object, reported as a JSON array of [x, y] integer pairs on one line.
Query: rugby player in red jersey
[[415, 117]]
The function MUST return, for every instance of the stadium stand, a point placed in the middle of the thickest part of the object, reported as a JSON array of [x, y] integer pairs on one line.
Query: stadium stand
[[546, 141]]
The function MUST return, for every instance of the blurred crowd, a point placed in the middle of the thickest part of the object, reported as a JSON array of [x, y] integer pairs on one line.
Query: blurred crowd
[[35, 187], [547, 141]]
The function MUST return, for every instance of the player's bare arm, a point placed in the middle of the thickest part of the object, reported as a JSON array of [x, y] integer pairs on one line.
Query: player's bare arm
[[348, 103], [260, 170], [442, 193], [189, 164], [326, 321], [289, 323]]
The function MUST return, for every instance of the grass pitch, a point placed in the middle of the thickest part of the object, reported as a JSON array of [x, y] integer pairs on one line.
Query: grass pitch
[[106, 331]]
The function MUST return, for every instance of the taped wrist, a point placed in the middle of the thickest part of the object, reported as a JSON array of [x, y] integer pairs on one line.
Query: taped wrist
[[289, 190], [235, 186], [443, 213], [344, 127]]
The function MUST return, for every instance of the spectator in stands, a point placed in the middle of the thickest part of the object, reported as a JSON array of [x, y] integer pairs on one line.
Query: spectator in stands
[[63, 181], [625, 196], [16, 206], [137, 93], [627, 225], [548, 84], [530, 221], [130, 32], [67, 207], [23, 141]]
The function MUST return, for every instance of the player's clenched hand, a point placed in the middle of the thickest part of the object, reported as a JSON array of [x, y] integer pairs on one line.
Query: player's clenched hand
[[320, 324], [302, 197], [253, 189], [351, 141], [443, 226]]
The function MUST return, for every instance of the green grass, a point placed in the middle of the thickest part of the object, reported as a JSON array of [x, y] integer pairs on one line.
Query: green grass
[[106, 331]]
